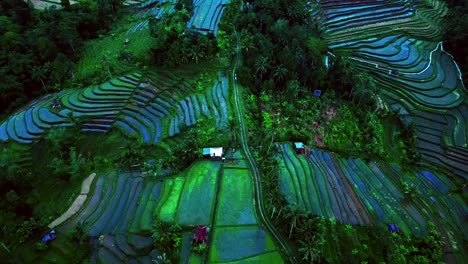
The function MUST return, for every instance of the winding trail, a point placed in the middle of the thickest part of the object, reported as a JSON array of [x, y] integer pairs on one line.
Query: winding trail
[[77, 204], [243, 139]]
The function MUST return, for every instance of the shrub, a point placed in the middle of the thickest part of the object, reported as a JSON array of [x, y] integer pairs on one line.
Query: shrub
[[167, 237], [41, 246], [78, 234]]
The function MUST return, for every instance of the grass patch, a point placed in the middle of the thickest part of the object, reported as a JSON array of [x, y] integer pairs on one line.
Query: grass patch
[[110, 55]]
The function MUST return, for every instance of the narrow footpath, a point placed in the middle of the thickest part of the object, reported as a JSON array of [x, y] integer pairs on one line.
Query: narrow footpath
[[243, 139]]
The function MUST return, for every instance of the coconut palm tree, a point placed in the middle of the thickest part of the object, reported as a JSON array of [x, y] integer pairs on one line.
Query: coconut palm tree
[[196, 54], [362, 93], [308, 229], [280, 72], [375, 93], [38, 73], [365, 88], [310, 250], [162, 234], [294, 215], [261, 66]]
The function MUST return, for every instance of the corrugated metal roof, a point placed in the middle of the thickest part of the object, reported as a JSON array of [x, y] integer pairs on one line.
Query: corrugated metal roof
[[217, 152], [298, 145]]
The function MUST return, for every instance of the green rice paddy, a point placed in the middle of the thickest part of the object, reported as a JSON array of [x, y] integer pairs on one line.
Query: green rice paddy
[[235, 202]]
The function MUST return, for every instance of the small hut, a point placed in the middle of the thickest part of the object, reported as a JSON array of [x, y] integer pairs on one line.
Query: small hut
[[299, 147], [213, 153]]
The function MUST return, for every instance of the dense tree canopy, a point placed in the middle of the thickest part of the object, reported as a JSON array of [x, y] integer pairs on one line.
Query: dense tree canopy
[[38, 48], [457, 33], [280, 45], [175, 44]]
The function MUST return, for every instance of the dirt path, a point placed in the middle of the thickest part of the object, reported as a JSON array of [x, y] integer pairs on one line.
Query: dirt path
[[284, 248], [77, 204]]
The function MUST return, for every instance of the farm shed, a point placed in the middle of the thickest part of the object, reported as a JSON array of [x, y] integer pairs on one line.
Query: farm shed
[[299, 147], [212, 153]]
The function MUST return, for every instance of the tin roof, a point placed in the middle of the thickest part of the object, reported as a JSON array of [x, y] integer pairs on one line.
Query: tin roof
[[298, 145], [217, 152]]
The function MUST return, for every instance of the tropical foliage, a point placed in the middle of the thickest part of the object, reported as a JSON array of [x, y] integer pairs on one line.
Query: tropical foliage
[[35, 56], [279, 44], [167, 239], [327, 122], [457, 33], [176, 45]]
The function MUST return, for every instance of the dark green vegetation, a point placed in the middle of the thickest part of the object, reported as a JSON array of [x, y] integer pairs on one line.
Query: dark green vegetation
[[326, 241], [281, 51], [457, 33], [35, 57], [157, 92], [175, 45], [168, 238], [39, 182], [281, 45], [360, 114], [37, 186]]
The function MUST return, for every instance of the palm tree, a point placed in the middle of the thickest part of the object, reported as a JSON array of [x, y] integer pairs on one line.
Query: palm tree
[[295, 215], [365, 88], [247, 42], [195, 54], [362, 93], [38, 73], [311, 250], [375, 92], [308, 229], [280, 72], [261, 66], [162, 234], [105, 60]]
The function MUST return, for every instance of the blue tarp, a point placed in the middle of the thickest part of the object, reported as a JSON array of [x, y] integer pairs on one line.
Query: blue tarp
[[48, 237]]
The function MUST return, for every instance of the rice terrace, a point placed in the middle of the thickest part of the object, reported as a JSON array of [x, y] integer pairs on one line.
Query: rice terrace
[[233, 131]]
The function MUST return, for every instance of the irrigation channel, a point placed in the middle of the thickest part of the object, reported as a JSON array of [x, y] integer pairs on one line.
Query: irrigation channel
[[257, 198]]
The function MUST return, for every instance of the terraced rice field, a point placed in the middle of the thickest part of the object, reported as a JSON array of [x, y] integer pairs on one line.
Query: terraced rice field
[[343, 21], [238, 237], [117, 215], [121, 207], [150, 9], [153, 108], [189, 199], [206, 15], [120, 210], [425, 86], [357, 192]]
